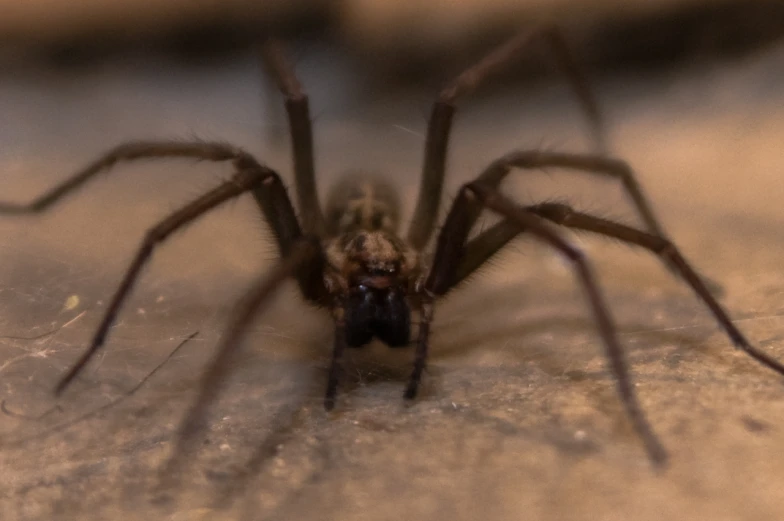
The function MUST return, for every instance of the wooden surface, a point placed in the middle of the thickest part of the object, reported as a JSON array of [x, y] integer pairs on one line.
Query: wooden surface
[[519, 418]]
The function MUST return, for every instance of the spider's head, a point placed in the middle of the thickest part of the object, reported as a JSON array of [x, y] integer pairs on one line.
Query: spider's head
[[373, 272]]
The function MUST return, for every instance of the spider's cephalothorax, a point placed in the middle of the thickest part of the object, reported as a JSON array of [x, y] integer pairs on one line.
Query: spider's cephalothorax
[[371, 273], [352, 261]]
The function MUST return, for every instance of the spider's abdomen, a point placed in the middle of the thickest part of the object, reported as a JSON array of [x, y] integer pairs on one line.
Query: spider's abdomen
[[362, 202], [377, 313]]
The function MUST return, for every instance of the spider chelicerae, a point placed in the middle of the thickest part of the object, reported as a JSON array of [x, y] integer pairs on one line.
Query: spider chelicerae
[[349, 258]]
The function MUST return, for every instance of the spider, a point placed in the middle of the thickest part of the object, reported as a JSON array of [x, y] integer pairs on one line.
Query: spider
[[349, 258]]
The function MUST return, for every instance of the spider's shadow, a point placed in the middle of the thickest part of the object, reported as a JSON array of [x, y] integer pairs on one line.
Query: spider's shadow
[[565, 322], [457, 339], [490, 328]]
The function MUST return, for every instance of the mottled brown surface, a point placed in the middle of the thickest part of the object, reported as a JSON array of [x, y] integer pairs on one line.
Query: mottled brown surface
[[519, 418]]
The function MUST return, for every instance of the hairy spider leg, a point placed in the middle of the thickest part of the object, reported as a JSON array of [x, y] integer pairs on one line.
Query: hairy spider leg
[[440, 124], [449, 251], [490, 241], [663, 248], [265, 185], [301, 130]]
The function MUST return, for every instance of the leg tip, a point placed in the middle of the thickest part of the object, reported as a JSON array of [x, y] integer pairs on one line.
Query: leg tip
[[659, 457], [61, 386]]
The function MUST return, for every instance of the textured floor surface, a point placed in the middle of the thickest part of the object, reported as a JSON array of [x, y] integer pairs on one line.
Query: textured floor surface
[[519, 418]]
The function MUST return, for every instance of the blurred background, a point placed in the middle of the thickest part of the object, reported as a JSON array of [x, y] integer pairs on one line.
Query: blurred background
[[392, 35], [519, 418]]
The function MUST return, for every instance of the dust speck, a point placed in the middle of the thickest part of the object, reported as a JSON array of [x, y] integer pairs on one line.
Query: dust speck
[[71, 302]]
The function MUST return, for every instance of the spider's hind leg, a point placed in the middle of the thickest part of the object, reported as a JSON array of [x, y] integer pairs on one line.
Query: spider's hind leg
[[439, 126], [250, 176], [301, 130]]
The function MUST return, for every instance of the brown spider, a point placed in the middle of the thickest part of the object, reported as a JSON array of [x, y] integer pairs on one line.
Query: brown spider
[[351, 260]]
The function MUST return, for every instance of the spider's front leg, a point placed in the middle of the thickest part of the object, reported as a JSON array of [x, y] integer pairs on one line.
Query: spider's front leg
[[250, 176], [450, 252], [335, 367]]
